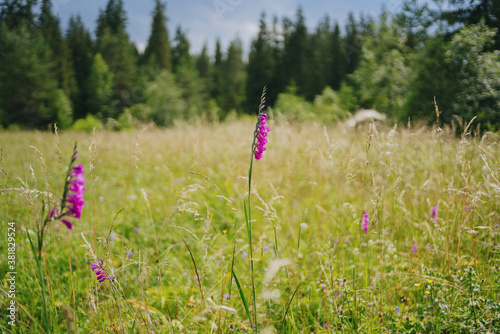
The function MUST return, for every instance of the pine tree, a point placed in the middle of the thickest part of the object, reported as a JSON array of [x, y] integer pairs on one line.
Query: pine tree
[[414, 19], [203, 63], [468, 12], [158, 51], [28, 91], [261, 66], [180, 54], [113, 43], [319, 65], [217, 86], [100, 86], [80, 49], [352, 44], [234, 77], [17, 13], [295, 57], [59, 53], [338, 59]]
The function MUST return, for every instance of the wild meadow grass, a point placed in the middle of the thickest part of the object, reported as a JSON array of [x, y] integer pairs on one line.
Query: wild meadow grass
[[164, 210]]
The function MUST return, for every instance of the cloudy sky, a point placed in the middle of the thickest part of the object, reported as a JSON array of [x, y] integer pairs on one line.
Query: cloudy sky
[[205, 20]]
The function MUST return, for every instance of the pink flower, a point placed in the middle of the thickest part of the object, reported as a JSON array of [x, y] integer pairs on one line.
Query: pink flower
[[76, 187], [434, 212], [261, 140], [414, 248], [101, 275], [365, 221]]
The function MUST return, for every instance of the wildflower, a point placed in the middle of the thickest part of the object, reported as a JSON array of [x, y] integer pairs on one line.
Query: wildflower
[[397, 309], [417, 284], [66, 222], [76, 198], [53, 212], [112, 236], [444, 307], [414, 248], [244, 255], [130, 254], [261, 140], [266, 248], [427, 292], [137, 230], [365, 221], [322, 286], [227, 295], [434, 212], [101, 275]]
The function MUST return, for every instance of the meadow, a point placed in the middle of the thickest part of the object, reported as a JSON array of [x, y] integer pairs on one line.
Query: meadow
[[376, 229]]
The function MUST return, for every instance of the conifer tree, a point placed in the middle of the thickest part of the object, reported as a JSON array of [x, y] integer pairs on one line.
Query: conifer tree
[[80, 49], [218, 75], [234, 76], [180, 54], [113, 43], [261, 65], [50, 29], [158, 51], [338, 60]]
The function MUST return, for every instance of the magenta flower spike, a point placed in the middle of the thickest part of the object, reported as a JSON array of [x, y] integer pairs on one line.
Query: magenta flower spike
[[101, 275], [434, 212], [75, 199], [261, 139], [414, 248], [365, 221]]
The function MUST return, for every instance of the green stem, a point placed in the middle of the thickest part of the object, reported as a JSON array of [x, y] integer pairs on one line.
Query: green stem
[[44, 296]]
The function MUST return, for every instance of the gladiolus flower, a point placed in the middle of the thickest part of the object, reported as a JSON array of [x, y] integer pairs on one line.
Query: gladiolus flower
[[261, 139], [434, 212], [365, 221], [101, 275], [414, 248]]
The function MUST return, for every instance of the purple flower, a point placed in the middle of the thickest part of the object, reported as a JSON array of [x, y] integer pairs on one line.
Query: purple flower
[[261, 140], [130, 254], [365, 221], [75, 199], [414, 248], [112, 236], [101, 275], [244, 255], [397, 309], [53, 212], [137, 230], [227, 295], [266, 248], [434, 212], [444, 307], [66, 222]]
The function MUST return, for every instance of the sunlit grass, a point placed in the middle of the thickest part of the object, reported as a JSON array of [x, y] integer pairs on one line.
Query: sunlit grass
[[151, 190]]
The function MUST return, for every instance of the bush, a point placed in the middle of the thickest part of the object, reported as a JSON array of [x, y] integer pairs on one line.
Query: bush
[[87, 124]]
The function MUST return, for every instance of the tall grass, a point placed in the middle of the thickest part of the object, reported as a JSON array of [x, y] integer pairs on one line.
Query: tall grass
[[187, 184]]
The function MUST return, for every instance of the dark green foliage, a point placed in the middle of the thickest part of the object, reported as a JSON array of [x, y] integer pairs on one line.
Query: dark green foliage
[[158, 52], [469, 12], [80, 48], [234, 75], [113, 43], [180, 53], [261, 66], [49, 27], [29, 92], [100, 88]]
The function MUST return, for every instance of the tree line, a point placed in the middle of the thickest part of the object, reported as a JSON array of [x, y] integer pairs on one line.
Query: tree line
[[396, 63]]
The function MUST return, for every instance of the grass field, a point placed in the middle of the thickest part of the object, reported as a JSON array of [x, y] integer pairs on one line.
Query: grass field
[[165, 211]]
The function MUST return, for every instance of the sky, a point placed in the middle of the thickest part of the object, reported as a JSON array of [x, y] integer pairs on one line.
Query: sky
[[207, 20]]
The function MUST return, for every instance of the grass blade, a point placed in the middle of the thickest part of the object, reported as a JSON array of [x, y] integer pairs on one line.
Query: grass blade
[[245, 304]]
